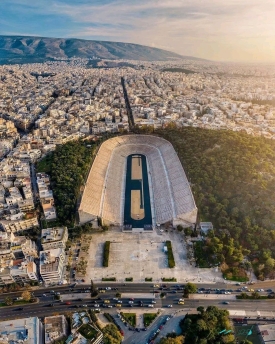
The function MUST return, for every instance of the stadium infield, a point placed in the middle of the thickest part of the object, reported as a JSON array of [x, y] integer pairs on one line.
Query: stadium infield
[[137, 207]]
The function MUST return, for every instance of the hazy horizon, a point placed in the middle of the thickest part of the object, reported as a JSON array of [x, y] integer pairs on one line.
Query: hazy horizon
[[239, 31]]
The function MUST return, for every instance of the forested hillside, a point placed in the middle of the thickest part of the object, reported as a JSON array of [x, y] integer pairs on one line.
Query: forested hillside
[[67, 166], [233, 181]]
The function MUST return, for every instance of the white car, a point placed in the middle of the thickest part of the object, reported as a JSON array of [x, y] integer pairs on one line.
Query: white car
[[115, 298], [119, 301], [97, 309], [96, 305], [108, 288], [84, 306], [131, 302], [170, 306], [153, 301], [181, 300], [151, 306]]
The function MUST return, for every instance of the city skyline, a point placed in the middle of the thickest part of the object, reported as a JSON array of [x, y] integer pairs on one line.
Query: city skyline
[[239, 31]]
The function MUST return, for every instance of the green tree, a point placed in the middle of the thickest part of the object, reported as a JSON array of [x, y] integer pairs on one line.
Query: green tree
[[26, 295], [8, 301], [190, 288], [111, 335], [188, 231], [179, 228], [169, 340]]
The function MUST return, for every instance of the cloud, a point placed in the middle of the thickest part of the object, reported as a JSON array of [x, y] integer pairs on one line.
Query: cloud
[[239, 29]]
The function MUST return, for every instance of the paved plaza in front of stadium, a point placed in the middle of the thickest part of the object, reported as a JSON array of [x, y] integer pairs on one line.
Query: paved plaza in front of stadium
[[141, 255]]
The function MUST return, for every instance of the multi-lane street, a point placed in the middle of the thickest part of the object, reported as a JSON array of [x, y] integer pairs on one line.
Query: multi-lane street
[[73, 298]]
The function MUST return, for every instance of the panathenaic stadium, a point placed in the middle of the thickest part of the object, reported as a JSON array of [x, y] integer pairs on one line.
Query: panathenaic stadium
[[137, 181]]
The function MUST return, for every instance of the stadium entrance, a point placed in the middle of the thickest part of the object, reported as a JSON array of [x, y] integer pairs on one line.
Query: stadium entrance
[[137, 207]]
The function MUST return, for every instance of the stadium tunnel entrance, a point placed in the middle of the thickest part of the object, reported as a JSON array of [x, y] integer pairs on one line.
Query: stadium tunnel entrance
[[137, 206]]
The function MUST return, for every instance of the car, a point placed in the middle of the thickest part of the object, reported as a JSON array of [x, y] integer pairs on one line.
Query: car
[[57, 293], [68, 303], [110, 306], [181, 303], [84, 306], [181, 299], [52, 291], [131, 299], [156, 286], [151, 306], [118, 305], [102, 291], [106, 301], [269, 290], [131, 302], [115, 298], [19, 309], [119, 301], [108, 288], [96, 305], [44, 295], [225, 302], [51, 305], [153, 301], [97, 310], [170, 306], [86, 291]]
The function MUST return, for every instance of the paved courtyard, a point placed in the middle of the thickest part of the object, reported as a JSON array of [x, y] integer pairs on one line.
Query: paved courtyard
[[141, 255]]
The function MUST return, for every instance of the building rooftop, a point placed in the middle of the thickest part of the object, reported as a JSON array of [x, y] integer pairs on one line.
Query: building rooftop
[[52, 234], [55, 327], [49, 259], [267, 333], [24, 330]]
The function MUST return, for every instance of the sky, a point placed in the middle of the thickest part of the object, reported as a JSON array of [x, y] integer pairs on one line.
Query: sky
[[221, 30]]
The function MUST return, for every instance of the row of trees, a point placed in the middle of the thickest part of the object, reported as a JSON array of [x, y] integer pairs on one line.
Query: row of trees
[[232, 177]]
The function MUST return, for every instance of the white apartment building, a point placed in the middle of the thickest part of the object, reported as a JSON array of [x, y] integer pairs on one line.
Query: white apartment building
[[20, 225], [54, 238], [52, 263], [24, 272]]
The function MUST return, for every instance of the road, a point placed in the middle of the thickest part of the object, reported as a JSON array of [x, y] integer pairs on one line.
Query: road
[[74, 299], [43, 309]]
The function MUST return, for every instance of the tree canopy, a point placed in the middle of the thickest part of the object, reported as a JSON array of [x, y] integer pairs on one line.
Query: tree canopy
[[68, 167], [111, 335], [232, 178], [205, 326]]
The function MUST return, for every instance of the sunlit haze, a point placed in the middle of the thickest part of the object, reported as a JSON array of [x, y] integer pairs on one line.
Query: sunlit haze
[[236, 30]]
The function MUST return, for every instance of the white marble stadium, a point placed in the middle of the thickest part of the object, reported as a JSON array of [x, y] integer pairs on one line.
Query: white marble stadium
[[170, 193]]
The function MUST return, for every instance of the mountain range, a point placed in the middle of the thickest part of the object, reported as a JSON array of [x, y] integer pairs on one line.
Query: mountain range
[[23, 49]]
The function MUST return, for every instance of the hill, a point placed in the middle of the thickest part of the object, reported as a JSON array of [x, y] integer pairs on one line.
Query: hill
[[232, 178], [20, 49]]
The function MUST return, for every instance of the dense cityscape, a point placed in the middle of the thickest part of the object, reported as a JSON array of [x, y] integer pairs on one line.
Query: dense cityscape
[[43, 106]]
